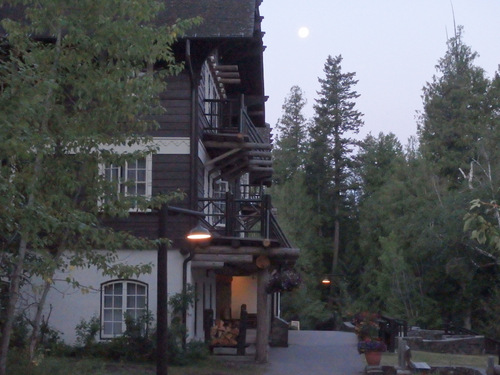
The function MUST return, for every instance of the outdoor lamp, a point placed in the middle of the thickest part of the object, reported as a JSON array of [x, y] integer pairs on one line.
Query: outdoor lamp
[[326, 280], [199, 233]]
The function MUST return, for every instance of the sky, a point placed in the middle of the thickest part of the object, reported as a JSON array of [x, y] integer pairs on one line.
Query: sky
[[393, 46]]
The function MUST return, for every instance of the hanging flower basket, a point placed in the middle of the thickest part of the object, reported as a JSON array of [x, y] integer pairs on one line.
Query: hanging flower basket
[[283, 280]]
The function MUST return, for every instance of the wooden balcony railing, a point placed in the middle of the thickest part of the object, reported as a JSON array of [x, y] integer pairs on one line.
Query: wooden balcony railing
[[245, 217], [230, 116]]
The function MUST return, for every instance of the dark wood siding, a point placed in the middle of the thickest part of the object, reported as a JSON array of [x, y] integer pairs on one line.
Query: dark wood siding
[[146, 225], [176, 121], [140, 224], [170, 173]]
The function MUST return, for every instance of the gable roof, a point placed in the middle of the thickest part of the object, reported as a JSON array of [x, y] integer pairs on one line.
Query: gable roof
[[221, 18]]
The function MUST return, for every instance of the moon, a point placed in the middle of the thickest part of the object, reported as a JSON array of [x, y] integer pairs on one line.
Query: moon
[[303, 32]]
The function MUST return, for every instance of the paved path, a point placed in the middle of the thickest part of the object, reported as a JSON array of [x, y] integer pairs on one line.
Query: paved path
[[316, 353]]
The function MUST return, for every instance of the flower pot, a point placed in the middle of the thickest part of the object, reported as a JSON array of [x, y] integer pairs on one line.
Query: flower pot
[[373, 358]]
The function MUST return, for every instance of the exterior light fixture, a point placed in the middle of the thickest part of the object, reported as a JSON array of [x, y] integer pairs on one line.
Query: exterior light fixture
[[326, 280], [199, 233]]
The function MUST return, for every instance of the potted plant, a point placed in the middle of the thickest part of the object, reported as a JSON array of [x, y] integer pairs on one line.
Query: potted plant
[[283, 280], [370, 344]]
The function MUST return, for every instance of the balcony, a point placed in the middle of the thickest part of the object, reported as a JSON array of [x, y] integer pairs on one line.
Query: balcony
[[245, 219], [236, 146]]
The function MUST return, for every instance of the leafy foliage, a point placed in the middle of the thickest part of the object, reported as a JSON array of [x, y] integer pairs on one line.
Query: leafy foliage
[[421, 230], [76, 79]]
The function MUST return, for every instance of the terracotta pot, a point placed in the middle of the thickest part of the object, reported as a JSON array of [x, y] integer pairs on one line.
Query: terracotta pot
[[373, 358]]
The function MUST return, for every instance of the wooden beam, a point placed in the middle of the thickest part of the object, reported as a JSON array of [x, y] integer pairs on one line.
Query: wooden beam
[[262, 154], [222, 157], [230, 81], [245, 145], [261, 169], [205, 264], [250, 250], [235, 159], [256, 113], [260, 162], [234, 172], [228, 74], [227, 68], [226, 258]]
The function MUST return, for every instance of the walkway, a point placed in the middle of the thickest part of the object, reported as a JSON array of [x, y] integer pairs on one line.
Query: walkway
[[318, 353]]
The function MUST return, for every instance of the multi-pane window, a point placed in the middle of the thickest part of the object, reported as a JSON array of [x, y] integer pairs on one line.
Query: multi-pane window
[[121, 299], [133, 178]]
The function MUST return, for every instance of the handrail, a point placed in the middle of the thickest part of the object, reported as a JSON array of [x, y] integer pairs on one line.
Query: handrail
[[220, 116], [247, 217], [247, 127]]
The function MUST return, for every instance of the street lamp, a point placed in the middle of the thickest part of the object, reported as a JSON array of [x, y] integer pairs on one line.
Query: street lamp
[[326, 280], [199, 233]]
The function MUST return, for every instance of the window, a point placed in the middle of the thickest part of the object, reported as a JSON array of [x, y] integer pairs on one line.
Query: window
[[211, 96], [218, 214], [134, 178], [118, 300]]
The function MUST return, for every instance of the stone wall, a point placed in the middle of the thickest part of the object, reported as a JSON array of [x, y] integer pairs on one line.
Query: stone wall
[[436, 341], [390, 370]]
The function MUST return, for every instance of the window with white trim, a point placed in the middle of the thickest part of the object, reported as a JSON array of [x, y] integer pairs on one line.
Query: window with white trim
[[216, 209], [133, 178], [118, 300], [211, 96]]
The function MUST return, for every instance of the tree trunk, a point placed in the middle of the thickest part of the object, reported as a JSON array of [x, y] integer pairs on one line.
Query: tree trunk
[[336, 243], [15, 282], [38, 319], [15, 279]]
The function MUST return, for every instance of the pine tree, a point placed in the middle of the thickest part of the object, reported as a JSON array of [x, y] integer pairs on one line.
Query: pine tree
[[289, 150], [455, 112], [330, 149]]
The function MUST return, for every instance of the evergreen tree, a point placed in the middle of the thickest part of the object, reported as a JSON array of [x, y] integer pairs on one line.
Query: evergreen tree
[[376, 162], [330, 149], [455, 112], [458, 134], [288, 152], [295, 209]]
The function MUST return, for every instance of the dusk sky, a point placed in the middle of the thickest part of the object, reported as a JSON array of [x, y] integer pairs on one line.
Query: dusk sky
[[393, 47]]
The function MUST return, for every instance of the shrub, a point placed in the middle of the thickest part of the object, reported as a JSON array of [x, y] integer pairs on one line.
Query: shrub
[[86, 331], [20, 332]]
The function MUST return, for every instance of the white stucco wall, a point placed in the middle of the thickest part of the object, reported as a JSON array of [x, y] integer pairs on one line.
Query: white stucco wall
[[243, 290], [67, 305], [204, 282]]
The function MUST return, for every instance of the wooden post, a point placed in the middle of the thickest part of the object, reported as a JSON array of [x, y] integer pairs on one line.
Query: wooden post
[[263, 317], [265, 216], [162, 296], [242, 337], [230, 215]]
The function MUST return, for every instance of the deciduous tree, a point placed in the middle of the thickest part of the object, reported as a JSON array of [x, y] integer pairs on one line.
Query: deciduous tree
[[76, 77]]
